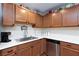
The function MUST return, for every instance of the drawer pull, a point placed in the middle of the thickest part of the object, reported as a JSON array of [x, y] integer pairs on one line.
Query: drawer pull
[[10, 51], [69, 45]]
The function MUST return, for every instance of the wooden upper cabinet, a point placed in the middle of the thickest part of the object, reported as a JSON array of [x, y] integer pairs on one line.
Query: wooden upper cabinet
[[77, 7], [21, 15], [69, 17], [57, 19], [38, 21], [8, 14], [31, 17], [47, 20]]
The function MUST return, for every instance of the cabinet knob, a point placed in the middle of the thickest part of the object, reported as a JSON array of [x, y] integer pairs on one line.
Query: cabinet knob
[[69, 45], [10, 51], [32, 46]]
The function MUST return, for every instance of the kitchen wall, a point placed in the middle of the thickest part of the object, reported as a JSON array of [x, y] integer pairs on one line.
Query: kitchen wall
[[17, 33], [63, 31]]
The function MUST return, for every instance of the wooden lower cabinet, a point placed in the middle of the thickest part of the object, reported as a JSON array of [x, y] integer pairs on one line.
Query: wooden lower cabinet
[[68, 49], [8, 52], [36, 51], [43, 47], [69, 52], [24, 50], [34, 48]]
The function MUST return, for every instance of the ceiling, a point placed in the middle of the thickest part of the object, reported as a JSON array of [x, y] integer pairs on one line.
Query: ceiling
[[43, 8]]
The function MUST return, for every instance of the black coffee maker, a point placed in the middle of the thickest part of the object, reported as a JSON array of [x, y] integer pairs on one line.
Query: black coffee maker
[[5, 36]]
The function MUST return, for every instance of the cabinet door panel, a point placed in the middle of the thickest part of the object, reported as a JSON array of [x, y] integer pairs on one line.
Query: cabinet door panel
[[36, 50], [32, 17], [70, 17], [38, 21], [57, 19], [25, 52], [21, 15], [47, 20], [8, 14], [77, 7], [69, 52]]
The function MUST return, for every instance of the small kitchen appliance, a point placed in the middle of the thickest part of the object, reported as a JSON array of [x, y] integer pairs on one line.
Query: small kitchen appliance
[[5, 36]]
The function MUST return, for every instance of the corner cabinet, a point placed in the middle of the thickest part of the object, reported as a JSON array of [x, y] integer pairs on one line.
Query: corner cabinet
[[8, 14], [47, 21]]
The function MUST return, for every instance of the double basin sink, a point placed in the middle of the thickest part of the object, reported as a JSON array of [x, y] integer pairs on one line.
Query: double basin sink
[[27, 38]]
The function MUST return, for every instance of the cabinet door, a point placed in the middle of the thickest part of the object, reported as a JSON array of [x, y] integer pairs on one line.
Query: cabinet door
[[77, 7], [9, 51], [70, 17], [43, 45], [32, 17], [57, 19], [69, 52], [47, 20], [24, 52], [8, 14], [21, 15], [24, 49], [36, 50], [38, 21]]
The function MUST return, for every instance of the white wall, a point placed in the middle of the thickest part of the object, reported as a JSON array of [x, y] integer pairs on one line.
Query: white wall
[[17, 33], [63, 31]]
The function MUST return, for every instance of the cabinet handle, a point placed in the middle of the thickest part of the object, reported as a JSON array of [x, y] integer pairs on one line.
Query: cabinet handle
[[69, 45], [10, 51], [15, 53], [32, 46]]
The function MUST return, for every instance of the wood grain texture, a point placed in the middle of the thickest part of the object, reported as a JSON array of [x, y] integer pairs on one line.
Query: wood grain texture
[[8, 14], [70, 17], [57, 19], [69, 49]]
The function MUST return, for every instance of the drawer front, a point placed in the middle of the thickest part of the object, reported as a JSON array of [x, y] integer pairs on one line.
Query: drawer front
[[8, 51], [12, 54], [36, 43], [70, 45], [23, 46]]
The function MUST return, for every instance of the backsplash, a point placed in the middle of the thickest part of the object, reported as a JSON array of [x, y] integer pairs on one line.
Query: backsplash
[[17, 33], [63, 31]]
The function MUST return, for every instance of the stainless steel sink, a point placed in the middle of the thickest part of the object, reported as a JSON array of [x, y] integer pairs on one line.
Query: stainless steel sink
[[27, 38]]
